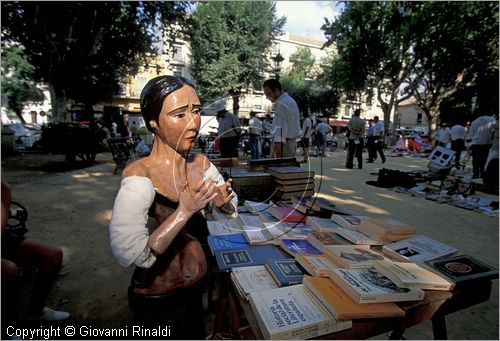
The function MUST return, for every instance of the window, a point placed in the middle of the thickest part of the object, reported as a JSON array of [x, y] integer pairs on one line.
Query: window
[[419, 118], [142, 79]]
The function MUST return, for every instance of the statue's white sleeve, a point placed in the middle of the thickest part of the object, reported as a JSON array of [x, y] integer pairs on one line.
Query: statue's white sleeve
[[213, 173]]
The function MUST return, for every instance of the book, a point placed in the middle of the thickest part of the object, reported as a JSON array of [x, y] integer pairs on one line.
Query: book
[[352, 256], [293, 181], [285, 173], [224, 227], [369, 286], [316, 265], [262, 164], [249, 279], [227, 242], [389, 238], [417, 249], [462, 269], [285, 271], [314, 205], [342, 306], [320, 239], [387, 226], [294, 247], [287, 214], [288, 195], [411, 275], [250, 221], [255, 207], [293, 312], [347, 221], [357, 237], [272, 233], [323, 224], [319, 204], [295, 188], [249, 256]]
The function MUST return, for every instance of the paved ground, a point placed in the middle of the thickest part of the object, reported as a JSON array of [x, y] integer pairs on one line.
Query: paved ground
[[72, 209]]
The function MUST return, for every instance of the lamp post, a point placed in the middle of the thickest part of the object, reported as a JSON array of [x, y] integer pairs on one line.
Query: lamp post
[[278, 59]]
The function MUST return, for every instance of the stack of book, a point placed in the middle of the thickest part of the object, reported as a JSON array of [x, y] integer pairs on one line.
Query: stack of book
[[291, 181], [388, 229], [314, 205]]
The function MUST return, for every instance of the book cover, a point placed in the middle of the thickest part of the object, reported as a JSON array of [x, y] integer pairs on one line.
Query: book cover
[[352, 256], [288, 195], [347, 221], [411, 275], [320, 239], [463, 268], [224, 227], [342, 306], [285, 271], [320, 204], [285, 173], [250, 221], [316, 265], [294, 247], [249, 256], [287, 214], [357, 237], [388, 226], [322, 223], [227, 242], [293, 312], [293, 181], [295, 188], [252, 278], [368, 286], [389, 238], [417, 249], [272, 233], [255, 207]]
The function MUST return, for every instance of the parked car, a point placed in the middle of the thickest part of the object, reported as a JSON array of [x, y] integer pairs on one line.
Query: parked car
[[26, 135]]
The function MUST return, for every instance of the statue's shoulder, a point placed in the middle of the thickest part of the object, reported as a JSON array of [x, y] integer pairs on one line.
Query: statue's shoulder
[[137, 168], [201, 160]]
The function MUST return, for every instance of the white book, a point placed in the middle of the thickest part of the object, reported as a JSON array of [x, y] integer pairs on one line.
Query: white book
[[322, 224], [352, 256], [370, 286], [250, 221], [253, 278], [293, 312], [224, 227], [417, 249], [266, 217], [255, 207], [319, 265], [272, 233], [412, 275], [348, 221], [358, 237]]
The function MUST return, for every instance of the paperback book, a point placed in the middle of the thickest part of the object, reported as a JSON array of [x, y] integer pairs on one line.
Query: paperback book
[[417, 249], [352, 256], [285, 271], [342, 306], [462, 269], [294, 247], [273, 233], [227, 242], [287, 214], [348, 221], [358, 238], [249, 279], [286, 173], [255, 207], [252, 255], [320, 239], [369, 286], [293, 312], [316, 265], [322, 224], [412, 275], [224, 227]]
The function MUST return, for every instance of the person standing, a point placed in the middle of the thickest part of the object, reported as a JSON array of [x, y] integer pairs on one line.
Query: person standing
[[254, 130], [229, 131], [306, 136], [372, 153], [286, 121], [266, 125], [443, 136], [355, 148], [457, 133], [479, 140], [378, 135], [322, 130]]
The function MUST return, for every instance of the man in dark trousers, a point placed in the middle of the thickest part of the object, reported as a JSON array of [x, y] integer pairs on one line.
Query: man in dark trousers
[[356, 128], [378, 138], [229, 131]]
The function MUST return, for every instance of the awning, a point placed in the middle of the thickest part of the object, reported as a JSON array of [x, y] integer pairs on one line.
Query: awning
[[338, 123]]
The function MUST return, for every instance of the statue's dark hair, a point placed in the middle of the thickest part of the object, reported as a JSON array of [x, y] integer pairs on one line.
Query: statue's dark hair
[[273, 84], [154, 93]]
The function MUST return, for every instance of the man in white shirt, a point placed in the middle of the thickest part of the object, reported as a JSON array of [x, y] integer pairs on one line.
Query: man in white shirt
[[229, 131], [458, 133], [306, 136], [443, 136], [479, 141], [378, 138], [254, 130], [322, 130], [286, 122]]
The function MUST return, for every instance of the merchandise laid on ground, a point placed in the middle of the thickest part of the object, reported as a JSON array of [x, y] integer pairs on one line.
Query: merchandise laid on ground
[[299, 274]]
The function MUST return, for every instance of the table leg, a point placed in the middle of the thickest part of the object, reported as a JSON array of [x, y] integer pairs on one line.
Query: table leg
[[439, 327]]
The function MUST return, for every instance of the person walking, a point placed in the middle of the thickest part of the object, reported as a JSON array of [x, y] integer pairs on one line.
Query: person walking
[[286, 122], [378, 135], [443, 136], [229, 131], [457, 133], [479, 140], [254, 131], [306, 136], [372, 153], [322, 130], [355, 148]]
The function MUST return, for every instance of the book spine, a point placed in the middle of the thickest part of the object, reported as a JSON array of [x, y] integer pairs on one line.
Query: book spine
[[344, 286], [381, 298]]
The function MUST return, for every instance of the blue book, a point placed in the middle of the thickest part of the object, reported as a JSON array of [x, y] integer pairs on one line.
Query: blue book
[[227, 242], [298, 246], [285, 271], [248, 256]]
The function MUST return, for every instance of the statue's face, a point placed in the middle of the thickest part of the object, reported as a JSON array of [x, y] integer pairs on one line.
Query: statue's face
[[179, 120]]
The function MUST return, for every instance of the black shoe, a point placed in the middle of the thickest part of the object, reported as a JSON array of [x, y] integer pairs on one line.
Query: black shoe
[[360, 167], [383, 161], [348, 167], [369, 161]]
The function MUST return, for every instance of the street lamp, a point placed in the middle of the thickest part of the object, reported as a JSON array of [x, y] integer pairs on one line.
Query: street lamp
[[278, 59]]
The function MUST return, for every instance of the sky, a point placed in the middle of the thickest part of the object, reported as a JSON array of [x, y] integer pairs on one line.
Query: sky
[[305, 18]]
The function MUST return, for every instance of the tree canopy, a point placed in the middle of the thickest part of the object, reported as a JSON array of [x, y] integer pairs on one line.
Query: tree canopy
[[229, 46], [83, 50]]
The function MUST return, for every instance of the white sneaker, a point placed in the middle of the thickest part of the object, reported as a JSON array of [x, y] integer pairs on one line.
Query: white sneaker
[[51, 315]]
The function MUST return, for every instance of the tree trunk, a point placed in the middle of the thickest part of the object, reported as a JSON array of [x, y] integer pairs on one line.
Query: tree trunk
[[432, 118], [19, 113], [236, 102], [59, 108]]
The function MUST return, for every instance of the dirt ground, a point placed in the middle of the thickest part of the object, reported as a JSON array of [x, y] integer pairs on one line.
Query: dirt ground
[[72, 208]]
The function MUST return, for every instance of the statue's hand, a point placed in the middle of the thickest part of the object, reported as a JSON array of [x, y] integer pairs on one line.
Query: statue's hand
[[193, 199], [225, 194]]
